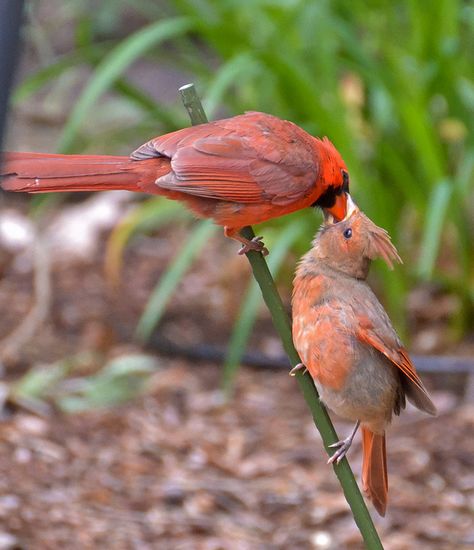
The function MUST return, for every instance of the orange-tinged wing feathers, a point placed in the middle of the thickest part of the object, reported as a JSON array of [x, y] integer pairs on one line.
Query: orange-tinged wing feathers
[[398, 355]]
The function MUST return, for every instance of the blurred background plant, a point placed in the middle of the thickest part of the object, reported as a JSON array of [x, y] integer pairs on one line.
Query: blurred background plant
[[390, 83]]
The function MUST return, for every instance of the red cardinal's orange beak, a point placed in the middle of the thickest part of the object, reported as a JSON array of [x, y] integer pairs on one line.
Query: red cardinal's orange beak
[[341, 210]]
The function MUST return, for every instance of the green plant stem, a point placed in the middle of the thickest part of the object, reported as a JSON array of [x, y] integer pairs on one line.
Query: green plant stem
[[282, 324], [193, 104]]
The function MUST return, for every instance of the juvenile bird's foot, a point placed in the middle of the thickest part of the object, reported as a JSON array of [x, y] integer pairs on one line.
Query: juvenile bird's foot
[[255, 244], [342, 447], [297, 368]]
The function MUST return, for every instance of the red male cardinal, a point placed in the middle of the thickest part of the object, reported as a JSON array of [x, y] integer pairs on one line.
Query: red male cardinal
[[238, 171], [347, 342]]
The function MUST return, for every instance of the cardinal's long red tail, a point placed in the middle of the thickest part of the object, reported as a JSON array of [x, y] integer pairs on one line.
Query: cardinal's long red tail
[[374, 469], [41, 173]]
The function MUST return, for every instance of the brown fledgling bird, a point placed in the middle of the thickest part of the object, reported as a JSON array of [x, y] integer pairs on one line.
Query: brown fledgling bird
[[347, 343], [238, 171]]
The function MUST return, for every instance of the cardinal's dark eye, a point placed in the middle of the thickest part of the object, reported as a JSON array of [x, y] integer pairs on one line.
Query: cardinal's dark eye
[[345, 181], [347, 233]]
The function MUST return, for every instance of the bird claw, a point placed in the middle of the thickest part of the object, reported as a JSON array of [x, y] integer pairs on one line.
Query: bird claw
[[255, 244], [297, 368], [342, 447]]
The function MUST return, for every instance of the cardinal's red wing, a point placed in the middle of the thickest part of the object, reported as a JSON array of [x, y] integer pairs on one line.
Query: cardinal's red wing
[[246, 159]]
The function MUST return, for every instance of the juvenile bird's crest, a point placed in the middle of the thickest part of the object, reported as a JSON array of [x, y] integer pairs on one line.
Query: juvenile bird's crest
[[379, 242]]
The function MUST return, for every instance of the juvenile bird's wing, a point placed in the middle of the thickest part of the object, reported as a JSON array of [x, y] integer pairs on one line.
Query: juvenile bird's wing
[[375, 329], [245, 159]]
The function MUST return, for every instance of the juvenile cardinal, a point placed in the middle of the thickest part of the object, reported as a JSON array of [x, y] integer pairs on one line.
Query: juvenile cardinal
[[238, 171], [347, 343]]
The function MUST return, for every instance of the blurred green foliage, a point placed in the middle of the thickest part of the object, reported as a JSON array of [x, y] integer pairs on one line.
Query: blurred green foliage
[[65, 385], [390, 82]]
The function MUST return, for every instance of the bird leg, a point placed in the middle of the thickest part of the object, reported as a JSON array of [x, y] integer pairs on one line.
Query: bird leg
[[297, 368], [255, 244], [247, 245], [342, 446]]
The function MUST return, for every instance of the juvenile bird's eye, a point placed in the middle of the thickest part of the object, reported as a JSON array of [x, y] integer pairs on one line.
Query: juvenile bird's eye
[[348, 233]]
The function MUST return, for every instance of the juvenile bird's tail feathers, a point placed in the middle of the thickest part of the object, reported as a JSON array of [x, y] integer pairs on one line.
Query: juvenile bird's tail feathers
[[374, 469]]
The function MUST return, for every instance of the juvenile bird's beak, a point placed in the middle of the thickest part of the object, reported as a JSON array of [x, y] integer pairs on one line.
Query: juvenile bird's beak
[[342, 209]]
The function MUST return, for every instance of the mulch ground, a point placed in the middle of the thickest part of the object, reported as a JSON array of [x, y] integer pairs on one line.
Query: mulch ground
[[180, 468]]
